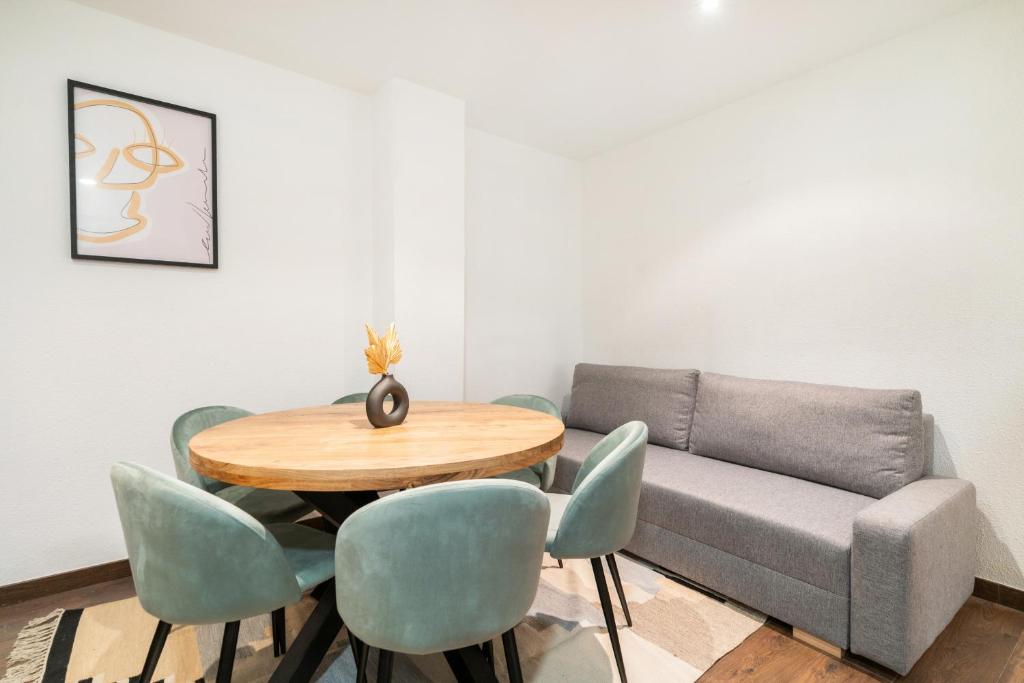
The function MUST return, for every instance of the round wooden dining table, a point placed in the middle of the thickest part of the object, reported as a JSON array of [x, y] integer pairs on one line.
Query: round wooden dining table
[[332, 457]]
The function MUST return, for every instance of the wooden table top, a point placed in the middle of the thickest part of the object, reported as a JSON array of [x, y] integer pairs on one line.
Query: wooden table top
[[334, 448]]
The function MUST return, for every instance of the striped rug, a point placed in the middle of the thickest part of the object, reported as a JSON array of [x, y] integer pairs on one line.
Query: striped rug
[[677, 634]]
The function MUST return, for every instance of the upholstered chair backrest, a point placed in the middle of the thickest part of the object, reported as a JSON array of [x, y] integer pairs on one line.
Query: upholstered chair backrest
[[545, 470], [443, 566], [195, 558], [188, 425], [600, 518]]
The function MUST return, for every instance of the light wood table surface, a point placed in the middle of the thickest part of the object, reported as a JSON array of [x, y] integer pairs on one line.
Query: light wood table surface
[[334, 448]]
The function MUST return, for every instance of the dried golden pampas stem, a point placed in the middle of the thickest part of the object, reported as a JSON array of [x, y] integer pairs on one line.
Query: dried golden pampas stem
[[382, 351]]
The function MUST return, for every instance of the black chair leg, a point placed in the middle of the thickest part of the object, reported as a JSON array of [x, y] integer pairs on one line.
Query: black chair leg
[[515, 670], [361, 653], [560, 565], [385, 663], [618, 587], [609, 615], [277, 627], [156, 646], [227, 652], [488, 649]]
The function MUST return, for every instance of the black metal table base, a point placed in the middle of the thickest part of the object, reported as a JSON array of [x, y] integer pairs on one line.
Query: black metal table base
[[304, 656], [470, 665], [337, 506], [311, 645]]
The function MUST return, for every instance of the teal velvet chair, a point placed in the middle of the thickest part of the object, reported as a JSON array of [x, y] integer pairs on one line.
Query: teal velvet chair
[[197, 559], [265, 505], [442, 568], [599, 517], [542, 474], [351, 398]]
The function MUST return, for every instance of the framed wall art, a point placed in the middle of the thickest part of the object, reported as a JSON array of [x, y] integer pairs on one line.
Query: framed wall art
[[143, 179]]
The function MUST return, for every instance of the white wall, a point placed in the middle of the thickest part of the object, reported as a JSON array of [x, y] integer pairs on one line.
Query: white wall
[[862, 224], [99, 358], [419, 233], [523, 216]]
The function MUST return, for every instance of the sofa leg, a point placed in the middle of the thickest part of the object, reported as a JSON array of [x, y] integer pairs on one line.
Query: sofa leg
[[818, 643]]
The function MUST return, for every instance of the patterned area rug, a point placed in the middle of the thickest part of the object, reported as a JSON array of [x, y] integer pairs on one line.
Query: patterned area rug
[[677, 634]]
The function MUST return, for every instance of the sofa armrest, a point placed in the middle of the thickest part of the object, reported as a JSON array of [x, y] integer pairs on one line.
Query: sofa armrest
[[911, 568]]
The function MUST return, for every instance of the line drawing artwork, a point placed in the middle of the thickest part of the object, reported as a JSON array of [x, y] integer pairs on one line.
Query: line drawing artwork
[[143, 179], [115, 168]]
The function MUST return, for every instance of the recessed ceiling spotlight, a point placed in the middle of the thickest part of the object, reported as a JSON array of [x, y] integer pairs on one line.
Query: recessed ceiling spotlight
[[709, 6]]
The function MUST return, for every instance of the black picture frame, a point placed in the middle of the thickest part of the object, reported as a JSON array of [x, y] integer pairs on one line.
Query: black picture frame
[[72, 177]]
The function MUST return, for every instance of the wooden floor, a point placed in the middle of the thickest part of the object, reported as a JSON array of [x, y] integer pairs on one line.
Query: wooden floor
[[984, 644]]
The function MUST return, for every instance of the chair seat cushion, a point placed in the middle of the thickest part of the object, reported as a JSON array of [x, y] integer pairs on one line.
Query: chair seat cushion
[[798, 528], [558, 502], [527, 475], [309, 551], [269, 507]]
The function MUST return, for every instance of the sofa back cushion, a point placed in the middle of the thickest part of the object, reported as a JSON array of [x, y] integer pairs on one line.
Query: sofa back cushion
[[605, 397], [868, 441]]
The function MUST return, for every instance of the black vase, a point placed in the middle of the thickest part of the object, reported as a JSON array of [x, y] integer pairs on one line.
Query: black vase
[[375, 413]]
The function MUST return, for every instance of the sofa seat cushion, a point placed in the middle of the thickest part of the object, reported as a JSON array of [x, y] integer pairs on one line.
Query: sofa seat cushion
[[795, 527]]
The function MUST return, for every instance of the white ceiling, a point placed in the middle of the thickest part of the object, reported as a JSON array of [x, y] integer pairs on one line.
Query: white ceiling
[[575, 77]]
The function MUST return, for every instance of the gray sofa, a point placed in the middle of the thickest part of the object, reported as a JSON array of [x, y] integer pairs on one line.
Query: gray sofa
[[807, 502]]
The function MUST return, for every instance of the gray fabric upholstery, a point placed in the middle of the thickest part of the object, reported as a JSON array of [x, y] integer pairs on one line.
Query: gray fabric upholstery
[[607, 396], [803, 501], [795, 527], [929, 442], [817, 611], [868, 441], [913, 567]]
